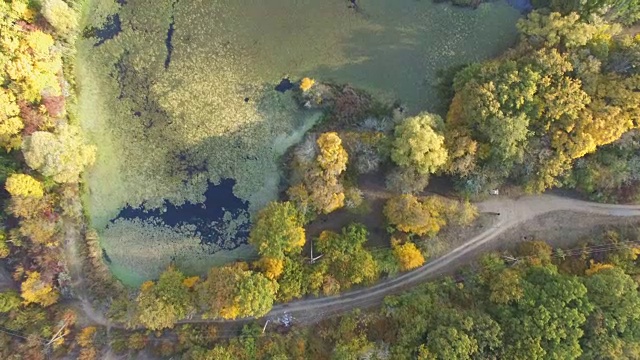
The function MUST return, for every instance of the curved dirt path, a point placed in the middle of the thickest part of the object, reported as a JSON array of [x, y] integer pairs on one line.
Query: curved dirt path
[[512, 212], [74, 266]]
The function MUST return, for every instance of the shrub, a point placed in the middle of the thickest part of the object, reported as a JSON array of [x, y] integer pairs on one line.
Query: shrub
[[406, 181], [24, 185]]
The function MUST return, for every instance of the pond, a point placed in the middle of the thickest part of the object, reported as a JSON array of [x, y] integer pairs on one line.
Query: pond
[[204, 218], [179, 95]]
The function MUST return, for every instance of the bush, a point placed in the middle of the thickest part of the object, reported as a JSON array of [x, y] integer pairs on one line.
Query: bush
[[406, 181]]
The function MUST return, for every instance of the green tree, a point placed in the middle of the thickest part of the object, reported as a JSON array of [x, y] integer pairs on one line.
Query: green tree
[[344, 257], [615, 321], [529, 114], [505, 287], [162, 304], [62, 155], [9, 300], [447, 342], [230, 292], [294, 280], [625, 12], [4, 247], [418, 144], [217, 353], [277, 230], [547, 322]]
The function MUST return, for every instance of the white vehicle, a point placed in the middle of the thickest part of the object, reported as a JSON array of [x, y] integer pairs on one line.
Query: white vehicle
[[494, 192]]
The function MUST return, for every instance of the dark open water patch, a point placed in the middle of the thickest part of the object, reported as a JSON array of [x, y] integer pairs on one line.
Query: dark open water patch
[[284, 85], [524, 6], [167, 41], [111, 29], [207, 217]]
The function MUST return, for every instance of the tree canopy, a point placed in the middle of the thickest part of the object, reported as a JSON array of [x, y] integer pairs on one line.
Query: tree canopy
[[413, 215], [531, 113], [230, 292], [277, 230], [419, 145], [163, 303], [62, 155]]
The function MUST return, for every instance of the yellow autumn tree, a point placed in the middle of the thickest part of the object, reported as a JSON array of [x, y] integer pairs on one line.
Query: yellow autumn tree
[[408, 255], [86, 337], [59, 15], [24, 185], [190, 282], [418, 144], [36, 290], [10, 121], [333, 157], [411, 215], [306, 83], [271, 268], [35, 66], [595, 267]]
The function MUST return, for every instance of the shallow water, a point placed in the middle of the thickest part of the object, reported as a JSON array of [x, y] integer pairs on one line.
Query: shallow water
[[219, 200]]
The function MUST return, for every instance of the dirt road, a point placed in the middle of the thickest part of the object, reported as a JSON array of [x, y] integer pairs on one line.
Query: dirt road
[[511, 213]]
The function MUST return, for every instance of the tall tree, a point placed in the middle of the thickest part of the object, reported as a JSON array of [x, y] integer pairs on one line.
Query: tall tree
[[160, 305], [418, 143], [278, 230], [547, 322], [345, 258], [409, 214], [63, 155], [614, 325], [232, 291]]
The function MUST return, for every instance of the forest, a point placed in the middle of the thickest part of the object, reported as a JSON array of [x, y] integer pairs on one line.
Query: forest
[[560, 109]]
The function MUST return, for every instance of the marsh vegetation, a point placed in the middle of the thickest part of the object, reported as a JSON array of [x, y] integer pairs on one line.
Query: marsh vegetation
[[177, 94]]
